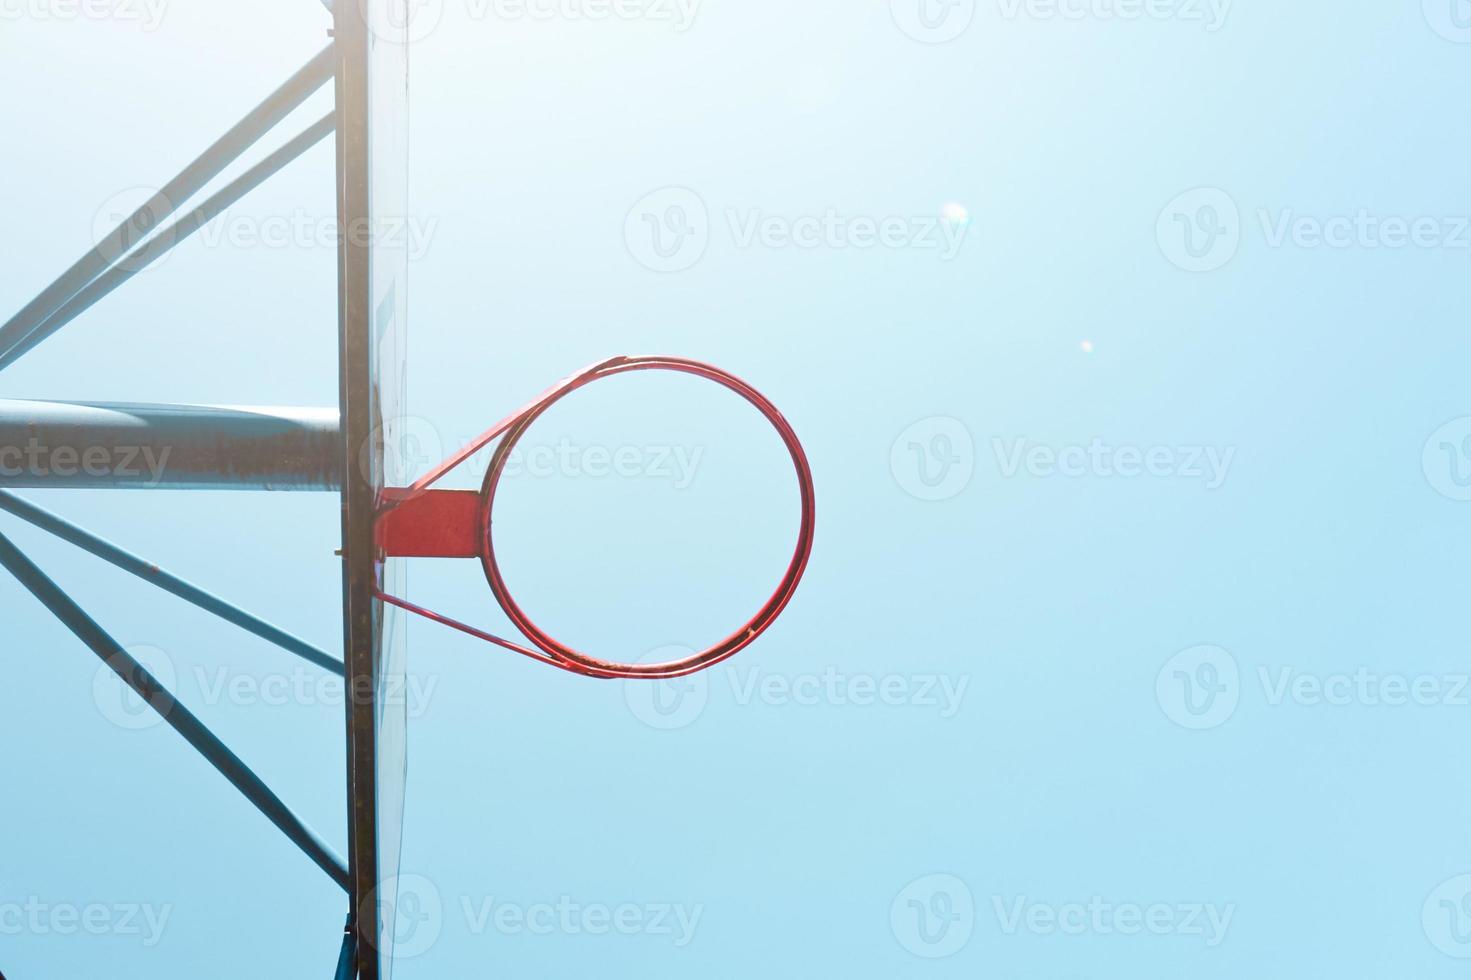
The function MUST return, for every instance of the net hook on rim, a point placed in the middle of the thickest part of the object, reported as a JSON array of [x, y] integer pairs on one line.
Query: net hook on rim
[[419, 521]]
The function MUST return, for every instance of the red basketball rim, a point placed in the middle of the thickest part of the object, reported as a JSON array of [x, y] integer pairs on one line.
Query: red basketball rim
[[732, 644]]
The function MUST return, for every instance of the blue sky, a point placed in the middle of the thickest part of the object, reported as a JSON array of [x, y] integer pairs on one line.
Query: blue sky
[[1128, 343]]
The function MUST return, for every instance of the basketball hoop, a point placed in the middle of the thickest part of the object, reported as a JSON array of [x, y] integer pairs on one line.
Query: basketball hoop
[[427, 523], [341, 447]]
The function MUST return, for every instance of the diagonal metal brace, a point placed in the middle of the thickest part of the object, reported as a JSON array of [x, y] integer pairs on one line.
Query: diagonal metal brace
[[189, 182], [137, 677], [135, 262], [152, 574]]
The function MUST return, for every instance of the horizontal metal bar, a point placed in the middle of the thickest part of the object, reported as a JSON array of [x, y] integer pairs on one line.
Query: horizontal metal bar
[[171, 197], [152, 574], [135, 262], [100, 445], [137, 677]]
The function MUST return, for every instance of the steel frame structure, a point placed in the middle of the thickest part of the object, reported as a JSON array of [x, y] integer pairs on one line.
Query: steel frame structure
[[301, 449], [208, 447], [219, 448]]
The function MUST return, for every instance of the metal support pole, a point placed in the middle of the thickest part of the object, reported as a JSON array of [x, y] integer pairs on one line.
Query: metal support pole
[[137, 677], [153, 575], [174, 447], [189, 182], [347, 958]]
